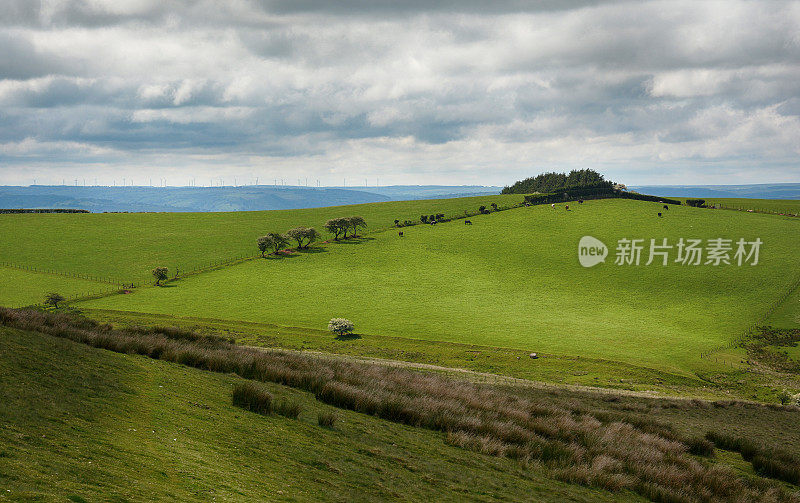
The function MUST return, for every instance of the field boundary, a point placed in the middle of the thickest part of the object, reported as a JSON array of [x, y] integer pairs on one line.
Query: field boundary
[[53, 272], [752, 328], [721, 206]]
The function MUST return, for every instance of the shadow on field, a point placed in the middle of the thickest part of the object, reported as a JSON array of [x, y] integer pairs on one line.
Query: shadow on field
[[314, 249], [354, 241], [347, 337]]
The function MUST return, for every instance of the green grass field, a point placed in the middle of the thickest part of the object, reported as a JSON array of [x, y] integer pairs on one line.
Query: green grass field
[[23, 288], [126, 247], [512, 280], [84, 424]]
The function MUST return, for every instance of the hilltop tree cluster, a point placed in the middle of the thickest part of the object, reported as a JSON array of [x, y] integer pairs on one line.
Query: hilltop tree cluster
[[554, 182]]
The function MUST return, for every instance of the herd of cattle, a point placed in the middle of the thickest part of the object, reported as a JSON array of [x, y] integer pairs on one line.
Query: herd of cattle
[[566, 207]]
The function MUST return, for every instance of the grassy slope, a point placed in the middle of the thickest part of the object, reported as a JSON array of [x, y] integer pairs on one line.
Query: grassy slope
[[23, 288], [788, 314], [127, 246], [85, 423], [512, 280]]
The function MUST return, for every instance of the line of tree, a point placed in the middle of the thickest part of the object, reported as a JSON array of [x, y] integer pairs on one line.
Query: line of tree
[[554, 182], [342, 225], [593, 193], [275, 241]]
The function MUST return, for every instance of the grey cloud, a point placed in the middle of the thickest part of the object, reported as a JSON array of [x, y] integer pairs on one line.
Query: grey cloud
[[19, 59], [407, 84]]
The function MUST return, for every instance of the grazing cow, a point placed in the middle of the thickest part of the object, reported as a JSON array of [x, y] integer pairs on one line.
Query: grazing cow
[[659, 215], [553, 205], [666, 207], [566, 207], [400, 233], [580, 201], [433, 222], [467, 222]]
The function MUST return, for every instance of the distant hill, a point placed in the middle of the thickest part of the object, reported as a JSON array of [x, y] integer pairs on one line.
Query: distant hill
[[205, 199], [754, 191]]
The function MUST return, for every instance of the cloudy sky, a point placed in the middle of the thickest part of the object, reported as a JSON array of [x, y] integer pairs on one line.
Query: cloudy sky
[[405, 92]]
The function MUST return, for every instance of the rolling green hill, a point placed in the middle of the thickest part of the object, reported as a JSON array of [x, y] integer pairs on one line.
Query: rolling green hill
[[126, 246], [513, 279]]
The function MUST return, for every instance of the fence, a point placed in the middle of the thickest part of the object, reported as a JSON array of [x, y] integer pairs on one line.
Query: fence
[[786, 213], [88, 277]]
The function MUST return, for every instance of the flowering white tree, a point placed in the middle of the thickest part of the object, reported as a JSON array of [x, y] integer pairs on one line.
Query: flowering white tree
[[340, 326]]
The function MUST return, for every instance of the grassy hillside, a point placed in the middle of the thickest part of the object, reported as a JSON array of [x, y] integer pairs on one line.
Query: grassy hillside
[[513, 279], [85, 424], [123, 426], [126, 246]]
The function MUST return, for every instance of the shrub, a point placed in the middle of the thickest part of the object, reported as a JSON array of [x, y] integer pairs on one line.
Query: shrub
[[252, 397], [340, 326], [326, 419], [785, 397]]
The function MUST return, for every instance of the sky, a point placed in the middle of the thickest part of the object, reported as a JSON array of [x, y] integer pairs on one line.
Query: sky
[[453, 92]]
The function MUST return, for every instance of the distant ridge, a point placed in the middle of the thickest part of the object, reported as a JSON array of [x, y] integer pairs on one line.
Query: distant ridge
[[207, 199], [752, 191]]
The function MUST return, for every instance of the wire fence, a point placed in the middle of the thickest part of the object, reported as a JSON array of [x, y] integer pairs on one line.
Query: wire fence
[[87, 277], [789, 212]]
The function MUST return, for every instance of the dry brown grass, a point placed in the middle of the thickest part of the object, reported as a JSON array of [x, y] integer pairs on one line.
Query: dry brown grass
[[608, 450]]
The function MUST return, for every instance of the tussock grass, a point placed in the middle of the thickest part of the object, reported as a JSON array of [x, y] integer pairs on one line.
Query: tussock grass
[[326, 419], [577, 446], [768, 462], [253, 398], [289, 409]]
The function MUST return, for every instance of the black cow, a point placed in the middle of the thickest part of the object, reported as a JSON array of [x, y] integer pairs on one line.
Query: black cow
[[467, 222], [400, 233], [659, 214], [666, 207]]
